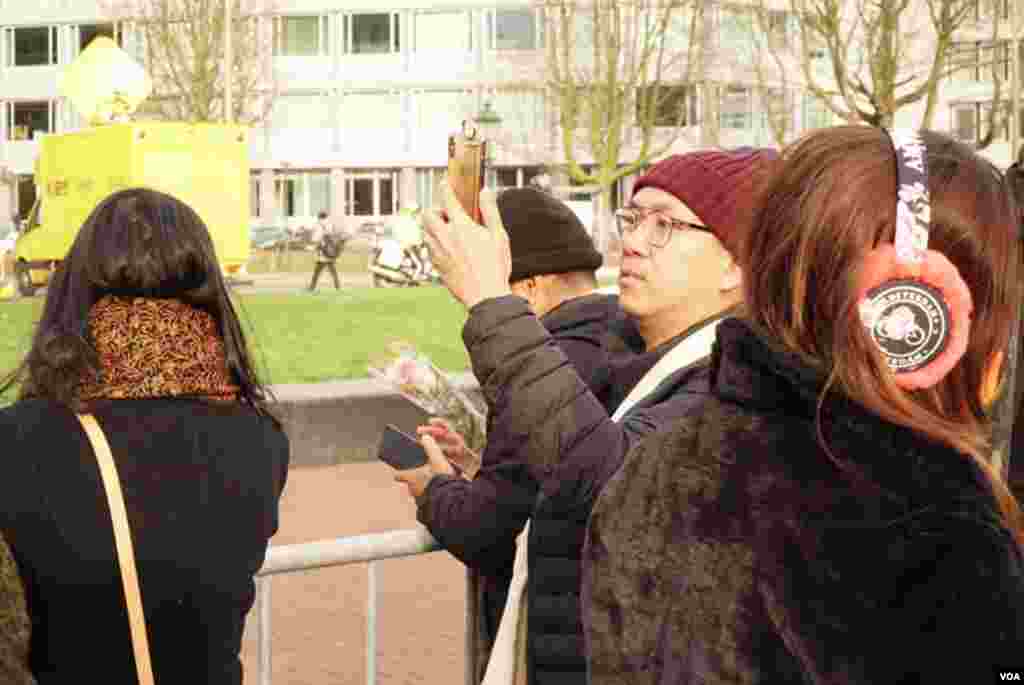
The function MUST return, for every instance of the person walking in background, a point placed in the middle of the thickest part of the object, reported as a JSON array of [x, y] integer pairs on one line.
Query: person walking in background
[[329, 244], [138, 329]]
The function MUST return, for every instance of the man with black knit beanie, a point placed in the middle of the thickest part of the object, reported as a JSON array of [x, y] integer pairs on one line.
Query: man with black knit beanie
[[554, 265]]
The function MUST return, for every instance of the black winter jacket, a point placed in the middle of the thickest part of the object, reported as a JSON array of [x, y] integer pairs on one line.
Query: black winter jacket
[[201, 484], [597, 338], [551, 446]]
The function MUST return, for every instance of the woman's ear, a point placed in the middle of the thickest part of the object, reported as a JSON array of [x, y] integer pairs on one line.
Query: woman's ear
[[732, 278]]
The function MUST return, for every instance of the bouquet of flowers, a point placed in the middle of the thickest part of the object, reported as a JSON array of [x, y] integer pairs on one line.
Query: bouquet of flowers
[[418, 380]]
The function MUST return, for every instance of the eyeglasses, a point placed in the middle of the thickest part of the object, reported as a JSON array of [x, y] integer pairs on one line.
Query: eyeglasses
[[630, 218]]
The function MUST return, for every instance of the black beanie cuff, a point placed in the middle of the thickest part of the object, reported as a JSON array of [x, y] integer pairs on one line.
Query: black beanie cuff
[[556, 262]]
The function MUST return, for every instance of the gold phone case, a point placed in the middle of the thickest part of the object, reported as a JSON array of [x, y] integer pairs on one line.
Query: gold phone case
[[467, 155]]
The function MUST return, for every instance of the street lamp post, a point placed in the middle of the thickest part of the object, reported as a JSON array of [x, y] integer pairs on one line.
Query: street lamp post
[[488, 124]]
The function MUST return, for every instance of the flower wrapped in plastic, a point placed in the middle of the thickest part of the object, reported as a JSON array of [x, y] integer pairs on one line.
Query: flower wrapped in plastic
[[418, 380]]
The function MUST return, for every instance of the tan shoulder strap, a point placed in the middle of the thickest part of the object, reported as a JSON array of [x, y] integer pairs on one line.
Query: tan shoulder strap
[[123, 539]]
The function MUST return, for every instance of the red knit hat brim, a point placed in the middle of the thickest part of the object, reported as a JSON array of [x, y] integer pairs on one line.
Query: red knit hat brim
[[719, 186]]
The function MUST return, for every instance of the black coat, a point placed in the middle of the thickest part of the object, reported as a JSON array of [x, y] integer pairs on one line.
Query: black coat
[[551, 447], [477, 521], [201, 485], [730, 548]]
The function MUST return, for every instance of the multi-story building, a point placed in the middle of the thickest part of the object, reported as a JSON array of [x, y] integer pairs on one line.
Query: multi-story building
[[366, 95], [969, 92]]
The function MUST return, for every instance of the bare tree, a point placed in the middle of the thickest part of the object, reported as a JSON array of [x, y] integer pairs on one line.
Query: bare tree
[[183, 46], [617, 73], [867, 59], [770, 33]]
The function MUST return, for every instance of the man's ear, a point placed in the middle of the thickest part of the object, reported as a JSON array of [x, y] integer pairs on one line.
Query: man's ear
[[732, 278]]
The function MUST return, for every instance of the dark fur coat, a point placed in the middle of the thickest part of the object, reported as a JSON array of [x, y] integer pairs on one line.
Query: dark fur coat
[[14, 623], [731, 549]]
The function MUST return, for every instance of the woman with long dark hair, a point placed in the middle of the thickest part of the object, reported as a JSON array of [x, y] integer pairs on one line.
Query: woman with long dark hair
[[138, 329], [830, 514]]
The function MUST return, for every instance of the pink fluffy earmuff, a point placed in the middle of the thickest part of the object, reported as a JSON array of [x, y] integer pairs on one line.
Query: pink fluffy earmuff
[[913, 301]]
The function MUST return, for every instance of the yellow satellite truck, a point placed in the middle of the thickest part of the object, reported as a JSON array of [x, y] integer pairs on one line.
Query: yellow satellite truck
[[204, 165]]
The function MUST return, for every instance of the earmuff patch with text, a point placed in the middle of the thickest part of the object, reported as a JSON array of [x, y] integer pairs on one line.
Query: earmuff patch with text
[[913, 302]]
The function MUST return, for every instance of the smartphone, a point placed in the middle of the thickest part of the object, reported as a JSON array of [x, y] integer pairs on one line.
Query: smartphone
[[467, 159], [400, 450]]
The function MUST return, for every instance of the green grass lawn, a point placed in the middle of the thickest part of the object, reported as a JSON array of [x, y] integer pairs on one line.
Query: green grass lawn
[[334, 336], [302, 338]]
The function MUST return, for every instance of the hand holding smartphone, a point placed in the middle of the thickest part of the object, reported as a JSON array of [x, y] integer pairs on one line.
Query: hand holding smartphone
[[400, 450], [467, 156]]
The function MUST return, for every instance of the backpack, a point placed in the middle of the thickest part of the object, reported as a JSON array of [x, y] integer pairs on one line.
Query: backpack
[[330, 245]]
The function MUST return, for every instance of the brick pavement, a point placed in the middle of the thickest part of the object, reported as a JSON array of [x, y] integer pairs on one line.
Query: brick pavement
[[319, 617]]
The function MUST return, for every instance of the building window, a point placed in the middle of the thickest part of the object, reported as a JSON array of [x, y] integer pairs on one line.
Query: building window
[[372, 34], [372, 193], [977, 61], [816, 113], [319, 192], [776, 110], [372, 113], [506, 177], [32, 46], [439, 30], [87, 33], [289, 191], [970, 121], [984, 10], [26, 196], [776, 24], [438, 109], [388, 198], [362, 196], [254, 195], [513, 30], [735, 108], [428, 185], [963, 62], [26, 119], [301, 36], [302, 111], [965, 121], [673, 106]]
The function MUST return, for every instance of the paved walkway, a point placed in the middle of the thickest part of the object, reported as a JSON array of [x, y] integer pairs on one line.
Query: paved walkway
[[319, 617]]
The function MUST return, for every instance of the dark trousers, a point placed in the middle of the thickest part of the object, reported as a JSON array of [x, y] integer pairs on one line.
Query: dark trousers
[[320, 266]]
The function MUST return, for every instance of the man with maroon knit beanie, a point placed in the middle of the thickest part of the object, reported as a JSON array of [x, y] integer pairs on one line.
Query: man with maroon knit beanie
[[678, 278], [694, 209]]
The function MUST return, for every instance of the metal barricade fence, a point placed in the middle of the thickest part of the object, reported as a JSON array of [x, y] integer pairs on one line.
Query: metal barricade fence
[[353, 550]]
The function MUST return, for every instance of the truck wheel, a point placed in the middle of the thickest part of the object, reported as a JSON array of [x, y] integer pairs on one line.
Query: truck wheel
[[24, 276]]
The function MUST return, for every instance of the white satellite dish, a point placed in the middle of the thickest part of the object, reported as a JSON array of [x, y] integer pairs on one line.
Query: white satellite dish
[[104, 83]]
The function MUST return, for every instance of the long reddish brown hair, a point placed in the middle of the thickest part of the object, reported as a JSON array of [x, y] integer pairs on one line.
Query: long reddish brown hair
[[832, 198]]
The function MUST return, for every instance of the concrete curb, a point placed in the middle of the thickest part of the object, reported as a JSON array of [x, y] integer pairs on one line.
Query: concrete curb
[[340, 422]]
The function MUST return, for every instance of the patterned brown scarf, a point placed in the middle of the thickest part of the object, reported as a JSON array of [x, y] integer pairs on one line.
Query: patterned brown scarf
[[156, 348]]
